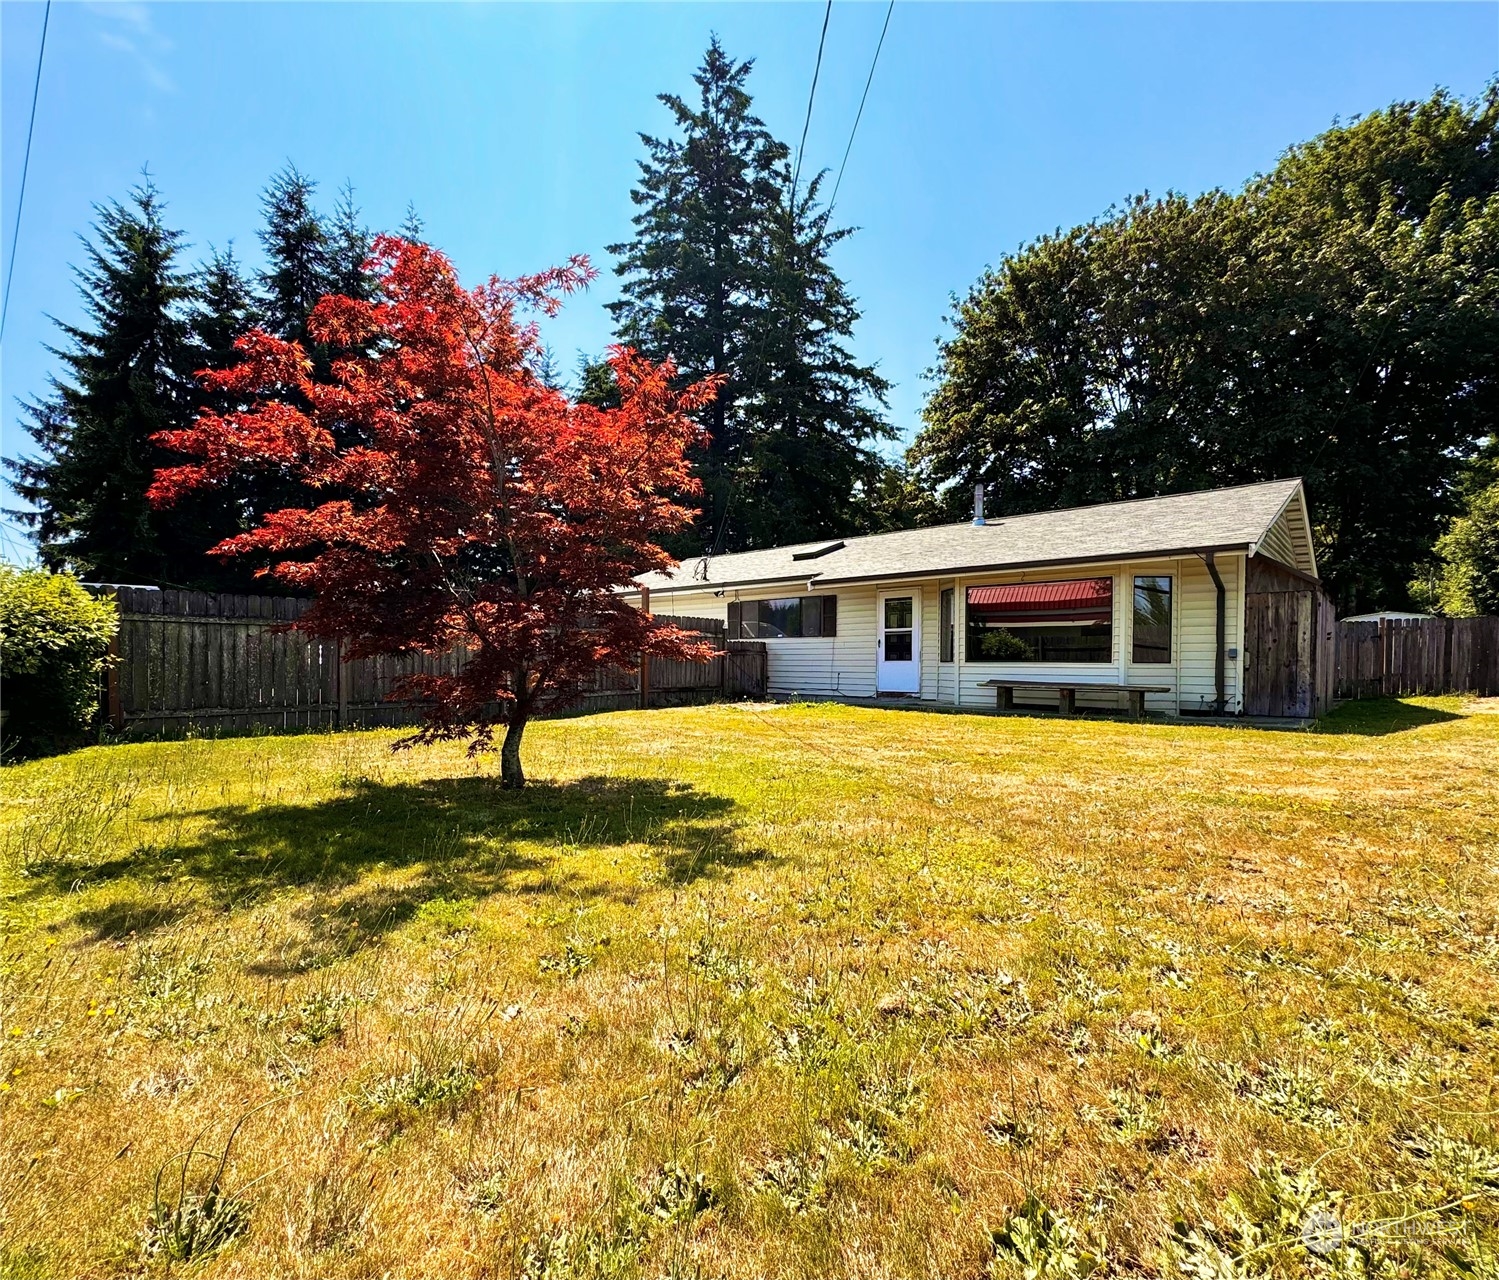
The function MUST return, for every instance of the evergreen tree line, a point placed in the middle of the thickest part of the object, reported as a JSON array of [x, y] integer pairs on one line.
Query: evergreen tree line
[[727, 272], [153, 319], [1338, 319]]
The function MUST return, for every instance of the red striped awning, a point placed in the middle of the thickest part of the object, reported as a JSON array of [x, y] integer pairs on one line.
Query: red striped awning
[[1081, 600]]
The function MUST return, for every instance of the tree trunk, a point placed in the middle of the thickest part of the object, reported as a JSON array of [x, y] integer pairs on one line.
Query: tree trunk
[[512, 776]]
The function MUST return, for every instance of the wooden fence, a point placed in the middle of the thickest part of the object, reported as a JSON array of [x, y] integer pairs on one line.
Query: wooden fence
[[1418, 655], [191, 659]]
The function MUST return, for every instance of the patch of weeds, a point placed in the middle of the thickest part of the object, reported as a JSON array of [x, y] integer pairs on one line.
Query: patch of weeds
[[1010, 1131], [798, 1179], [1077, 982], [1041, 1245], [395, 1097], [1280, 1218], [195, 1225], [168, 1001], [712, 1061], [318, 1018], [877, 1129], [445, 917], [716, 964], [813, 1029], [570, 1255], [674, 1195], [1153, 1044], [1463, 1166], [1325, 1033], [446, 1057], [186, 1223], [486, 1192], [576, 957], [987, 1004], [969, 1006], [1131, 1116], [1169, 975], [1295, 1093]]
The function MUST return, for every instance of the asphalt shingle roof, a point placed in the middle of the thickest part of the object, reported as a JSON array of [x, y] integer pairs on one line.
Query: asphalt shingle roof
[[1213, 519]]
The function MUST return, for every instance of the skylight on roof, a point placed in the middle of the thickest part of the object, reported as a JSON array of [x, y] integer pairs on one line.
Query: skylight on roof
[[817, 552]]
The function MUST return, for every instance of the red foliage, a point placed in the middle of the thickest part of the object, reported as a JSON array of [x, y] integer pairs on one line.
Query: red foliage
[[454, 500]]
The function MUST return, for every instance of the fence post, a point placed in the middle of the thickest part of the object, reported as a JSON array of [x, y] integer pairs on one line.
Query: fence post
[[645, 658], [341, 678], [115, 705]]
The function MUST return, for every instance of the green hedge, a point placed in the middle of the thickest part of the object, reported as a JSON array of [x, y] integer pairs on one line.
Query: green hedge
[[54, 642]]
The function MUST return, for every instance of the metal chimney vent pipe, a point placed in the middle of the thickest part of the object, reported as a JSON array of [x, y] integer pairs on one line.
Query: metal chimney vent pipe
[[978, 505]]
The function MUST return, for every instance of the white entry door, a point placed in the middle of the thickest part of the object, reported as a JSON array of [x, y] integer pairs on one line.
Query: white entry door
[[898, 660]]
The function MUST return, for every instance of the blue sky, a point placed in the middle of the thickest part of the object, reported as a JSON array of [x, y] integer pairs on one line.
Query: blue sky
[[513, 127]]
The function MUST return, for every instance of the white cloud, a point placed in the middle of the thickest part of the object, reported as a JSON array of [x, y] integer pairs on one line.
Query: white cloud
[[128, 28]]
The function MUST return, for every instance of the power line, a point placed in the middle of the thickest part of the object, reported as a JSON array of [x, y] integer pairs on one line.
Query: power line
[[723, 519], [807, 123], [15, 237], [859, 115]]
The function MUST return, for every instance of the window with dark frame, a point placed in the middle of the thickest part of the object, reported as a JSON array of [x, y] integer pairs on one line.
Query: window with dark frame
[[945, 645], [1152, 620], [786, 618], [1059, 622]]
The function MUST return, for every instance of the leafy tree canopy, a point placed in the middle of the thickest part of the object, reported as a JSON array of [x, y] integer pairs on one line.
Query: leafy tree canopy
[[1337, 319], [478, 508]]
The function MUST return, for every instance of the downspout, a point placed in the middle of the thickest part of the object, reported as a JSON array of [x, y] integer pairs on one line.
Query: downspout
[[1221, 619]]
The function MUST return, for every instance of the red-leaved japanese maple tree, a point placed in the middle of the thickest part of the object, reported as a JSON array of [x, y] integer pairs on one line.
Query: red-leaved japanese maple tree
[[453, 499]]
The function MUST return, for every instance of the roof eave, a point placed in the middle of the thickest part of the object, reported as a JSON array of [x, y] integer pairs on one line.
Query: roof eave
[[1013, 566], [699, 586]]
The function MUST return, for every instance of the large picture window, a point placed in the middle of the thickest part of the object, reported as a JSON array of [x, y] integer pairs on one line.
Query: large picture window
[[787, 618], [1042, 622], [1152, 622]]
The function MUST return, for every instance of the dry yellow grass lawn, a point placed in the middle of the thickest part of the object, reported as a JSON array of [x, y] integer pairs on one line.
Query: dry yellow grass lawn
[[760, 991]]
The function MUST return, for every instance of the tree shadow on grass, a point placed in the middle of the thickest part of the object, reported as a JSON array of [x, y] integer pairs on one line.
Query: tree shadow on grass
[[458, 836], [1375, 717]]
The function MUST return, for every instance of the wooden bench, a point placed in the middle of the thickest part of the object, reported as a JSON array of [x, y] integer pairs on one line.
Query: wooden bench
[[1004, 693]]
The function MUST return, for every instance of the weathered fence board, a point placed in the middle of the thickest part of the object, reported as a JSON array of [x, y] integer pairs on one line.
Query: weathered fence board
[[1396, 656], [190, 659]]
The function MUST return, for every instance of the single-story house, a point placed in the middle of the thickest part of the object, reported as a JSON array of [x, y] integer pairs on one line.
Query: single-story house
[[1196, 603]]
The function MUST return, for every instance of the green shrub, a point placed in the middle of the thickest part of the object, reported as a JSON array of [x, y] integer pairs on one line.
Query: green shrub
[[54, 641], [1464, 581]]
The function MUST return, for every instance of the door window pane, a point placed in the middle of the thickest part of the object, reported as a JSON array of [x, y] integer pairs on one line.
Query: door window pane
[[897, 646], [1152, 630], [897, 611]]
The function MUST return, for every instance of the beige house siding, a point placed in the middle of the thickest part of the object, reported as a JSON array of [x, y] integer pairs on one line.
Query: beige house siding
[[845, 664]]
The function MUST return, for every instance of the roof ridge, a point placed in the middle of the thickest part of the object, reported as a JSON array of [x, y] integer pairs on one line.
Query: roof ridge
[[996, 521]]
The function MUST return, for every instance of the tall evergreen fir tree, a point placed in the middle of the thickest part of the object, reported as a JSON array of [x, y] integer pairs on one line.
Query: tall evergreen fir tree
[[810, 406], [596, 384], [299, 255], [129, 373], [224, 310], [348, 249], [723, 277]]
